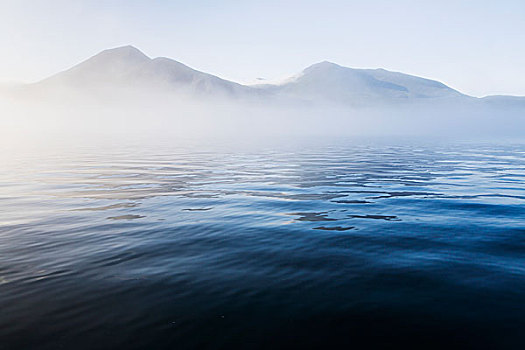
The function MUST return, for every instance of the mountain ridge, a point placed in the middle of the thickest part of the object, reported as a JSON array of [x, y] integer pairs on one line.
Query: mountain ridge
[[322, 82], [127, 66]]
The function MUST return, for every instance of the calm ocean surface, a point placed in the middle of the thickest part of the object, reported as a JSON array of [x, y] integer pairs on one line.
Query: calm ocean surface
[[296, 245]]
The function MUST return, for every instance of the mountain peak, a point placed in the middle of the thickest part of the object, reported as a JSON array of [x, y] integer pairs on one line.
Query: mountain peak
[[107, 65], [123, 51], [322, 66]]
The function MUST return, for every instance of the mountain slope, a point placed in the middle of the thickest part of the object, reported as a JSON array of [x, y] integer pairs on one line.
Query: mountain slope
[[128, 67], [330, 82]]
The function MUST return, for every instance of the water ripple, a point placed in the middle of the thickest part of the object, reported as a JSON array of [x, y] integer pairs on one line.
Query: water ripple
[[162, 247]]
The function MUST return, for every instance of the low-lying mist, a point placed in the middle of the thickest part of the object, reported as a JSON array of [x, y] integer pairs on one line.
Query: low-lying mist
[[123, 114]]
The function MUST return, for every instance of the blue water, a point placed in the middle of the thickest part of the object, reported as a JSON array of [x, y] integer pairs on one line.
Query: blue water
[[298, 245]]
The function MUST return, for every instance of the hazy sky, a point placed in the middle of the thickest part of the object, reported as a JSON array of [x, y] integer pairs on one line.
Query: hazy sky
[[477, 47]]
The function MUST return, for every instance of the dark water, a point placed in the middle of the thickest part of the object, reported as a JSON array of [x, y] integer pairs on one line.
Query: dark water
[[296, 246]]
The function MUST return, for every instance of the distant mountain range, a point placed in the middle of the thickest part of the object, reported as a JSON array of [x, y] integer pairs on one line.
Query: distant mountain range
[[128, 68]]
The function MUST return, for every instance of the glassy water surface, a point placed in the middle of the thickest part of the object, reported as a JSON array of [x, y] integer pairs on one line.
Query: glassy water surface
[[279, 246]]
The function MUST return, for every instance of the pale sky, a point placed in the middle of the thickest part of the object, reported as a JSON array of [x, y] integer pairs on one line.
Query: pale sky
[[477, 47]]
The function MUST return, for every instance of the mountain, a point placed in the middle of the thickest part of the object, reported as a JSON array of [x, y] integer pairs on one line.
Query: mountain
[[127, 67], [123, 89], [330, 82]]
